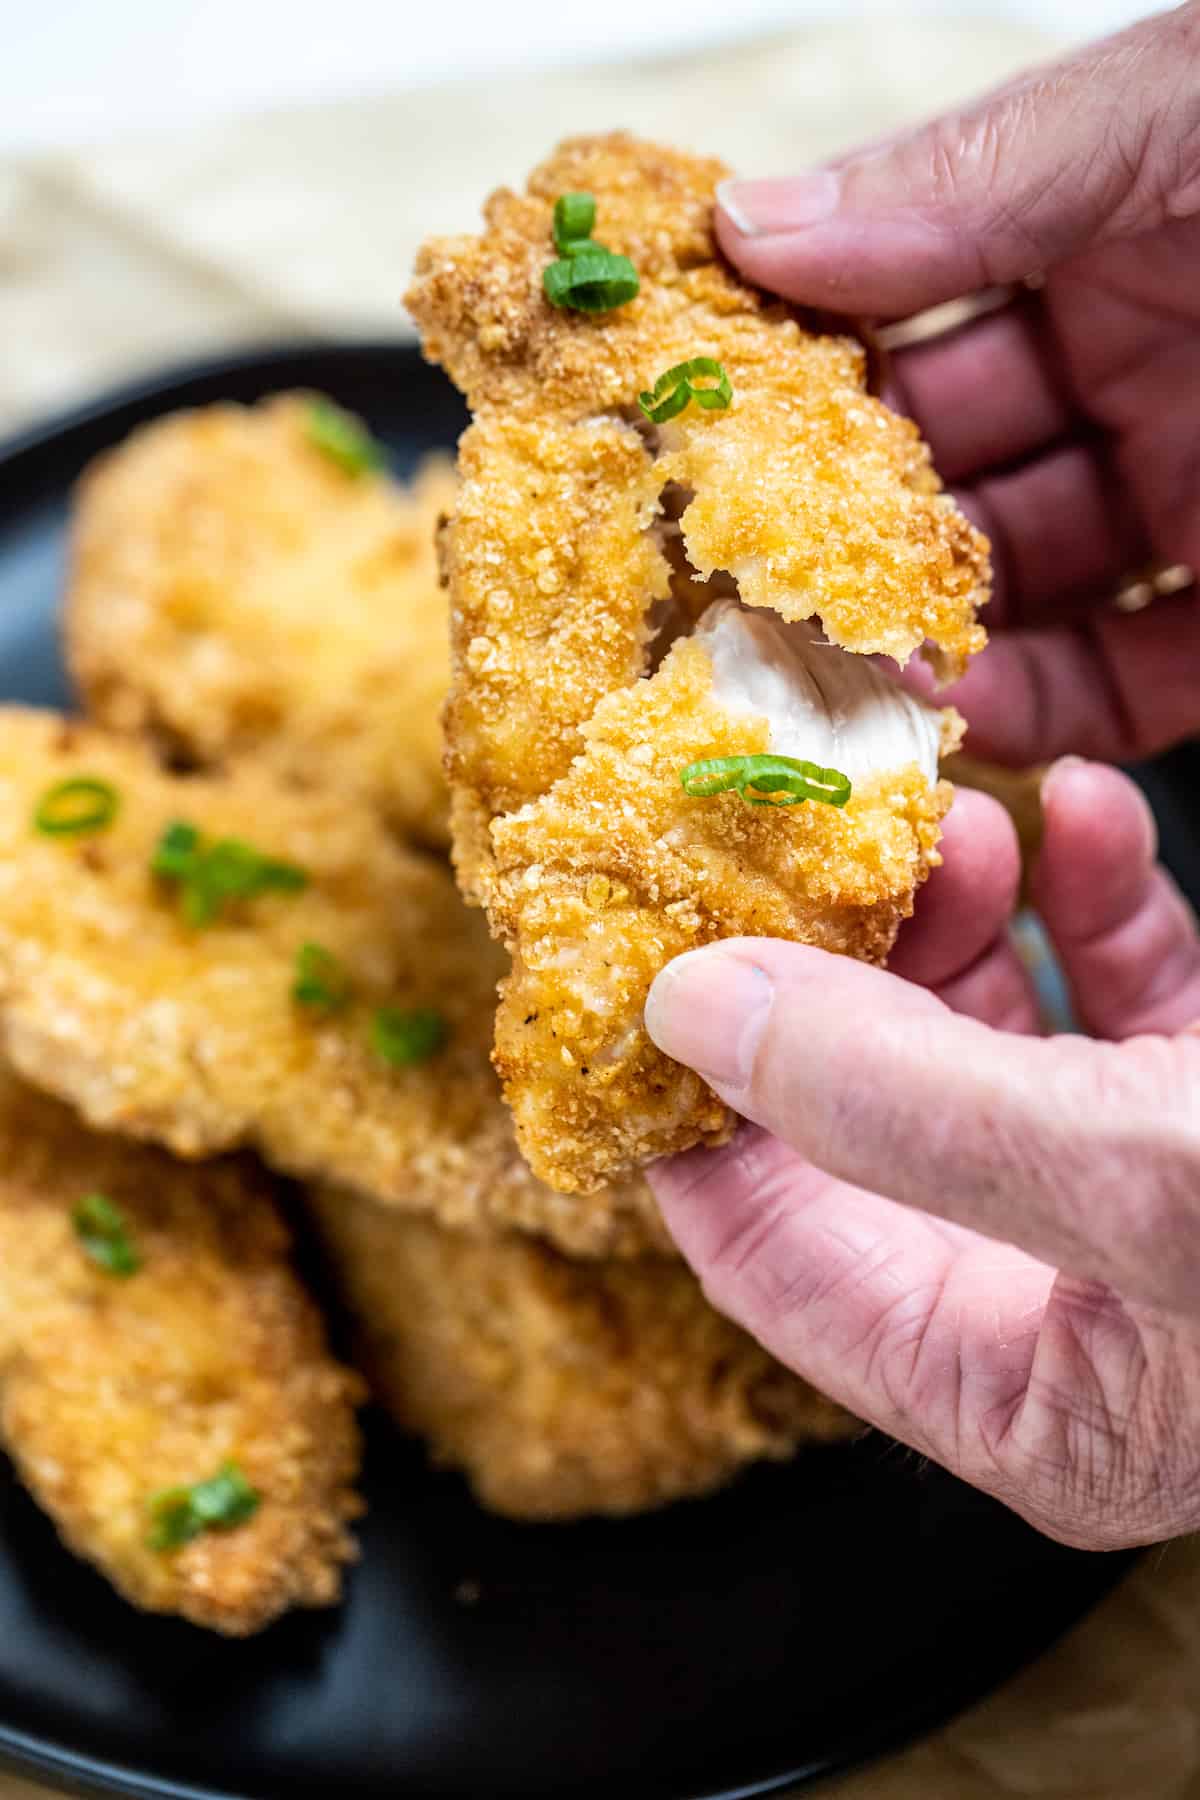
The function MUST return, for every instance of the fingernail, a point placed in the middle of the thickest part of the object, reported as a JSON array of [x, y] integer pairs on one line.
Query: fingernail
[[709, 1009], [1063, 765], [761, 208]]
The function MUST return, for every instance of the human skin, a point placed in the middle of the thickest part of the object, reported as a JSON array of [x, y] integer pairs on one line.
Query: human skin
[[985, 1241]]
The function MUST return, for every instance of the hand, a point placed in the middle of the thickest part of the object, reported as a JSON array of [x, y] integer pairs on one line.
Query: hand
[[1071, 422], [1062, 1375]]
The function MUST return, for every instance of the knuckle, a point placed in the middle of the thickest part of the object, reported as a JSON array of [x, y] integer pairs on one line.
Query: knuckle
[[1128, 1174], [1104, 1454], [1153, 142]]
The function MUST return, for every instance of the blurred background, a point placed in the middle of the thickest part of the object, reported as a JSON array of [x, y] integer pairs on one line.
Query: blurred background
[[176, 178]]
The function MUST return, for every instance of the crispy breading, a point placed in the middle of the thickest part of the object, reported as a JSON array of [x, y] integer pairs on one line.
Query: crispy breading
[[582, 543], [189, 1037], [235, 593], [594, 912], [115, 1388], [560, 1388], [810, 491]]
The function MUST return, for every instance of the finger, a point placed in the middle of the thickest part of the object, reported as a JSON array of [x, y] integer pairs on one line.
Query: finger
[[997, 989], [1086, 1155], [1125, 937], [982, 396], [921, 1328], [1119, 687], [957, 940], [966, 904], [1059, 529], [1069, 156]]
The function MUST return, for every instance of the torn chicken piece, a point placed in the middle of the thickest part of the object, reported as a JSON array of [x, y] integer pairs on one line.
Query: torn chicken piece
[[237, 590], [629, 598], [165, 1006], [616, 870], [560, 1388], [834, 710], [197, 1348], [808, 490]]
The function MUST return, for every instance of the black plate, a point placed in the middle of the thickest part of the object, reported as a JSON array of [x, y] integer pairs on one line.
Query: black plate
[[811, 1616]]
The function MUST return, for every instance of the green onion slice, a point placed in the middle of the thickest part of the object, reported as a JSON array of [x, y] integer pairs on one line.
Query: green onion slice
[[321, 982], [75, 807], [179, 1514], [100, 1228], [403, 1038], [176, 852], [209, 876], [672, 391], [591, 280], [765, 780], [343, 438], [574, 217]]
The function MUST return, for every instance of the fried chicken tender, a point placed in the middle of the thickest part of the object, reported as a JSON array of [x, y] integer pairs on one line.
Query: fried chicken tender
[[114, 1388], [811, 493], [626, 601], [616, 871], [236, 593], [190, 1036], [560, 1388]]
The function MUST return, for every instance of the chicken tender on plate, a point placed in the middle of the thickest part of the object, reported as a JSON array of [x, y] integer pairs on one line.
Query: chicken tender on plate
[[154, 1336], [638, 589], [238, 589], [292, 980], [560, 1388]]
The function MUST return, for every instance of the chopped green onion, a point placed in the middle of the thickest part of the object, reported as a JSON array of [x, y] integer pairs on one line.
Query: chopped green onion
[[594, 280], [574, 217], [343, 438], [179, 1514], [175, 855], [77, 806], [321, 982], [100, 1228], [404, 1038], [765, 780], [231, 870], [672, 391], [209, 876]]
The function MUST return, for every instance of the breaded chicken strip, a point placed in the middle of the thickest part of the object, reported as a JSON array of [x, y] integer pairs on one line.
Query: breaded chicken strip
[[114, 1388], [189, 1035], [235, 591], [560, 1388], [617, 870], [812, 494], [584, 545]]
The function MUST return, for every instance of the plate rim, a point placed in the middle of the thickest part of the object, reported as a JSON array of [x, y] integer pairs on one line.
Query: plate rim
[[43, 1757], [242, 357]]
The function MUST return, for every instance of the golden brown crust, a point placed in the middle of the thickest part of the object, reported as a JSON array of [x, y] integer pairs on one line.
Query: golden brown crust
[[190, 1037], [113, 1389], [561, 1388], [552, 564], [808, 492], [593, 913], [552, 569], [234, 593]]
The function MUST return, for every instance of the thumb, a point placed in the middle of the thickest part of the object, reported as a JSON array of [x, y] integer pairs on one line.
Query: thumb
[[1086, 1155], [1102, 145]]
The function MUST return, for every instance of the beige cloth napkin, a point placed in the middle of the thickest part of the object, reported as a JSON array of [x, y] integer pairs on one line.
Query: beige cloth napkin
[[117, 258]]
